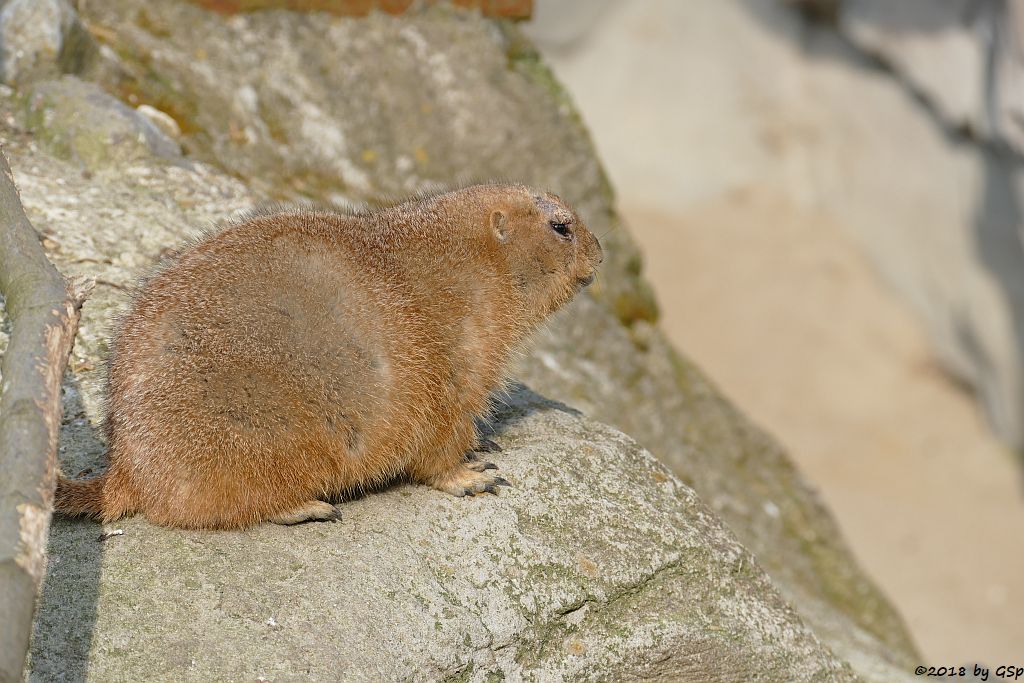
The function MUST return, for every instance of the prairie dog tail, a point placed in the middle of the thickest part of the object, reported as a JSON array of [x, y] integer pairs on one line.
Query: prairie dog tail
[[76, 497]]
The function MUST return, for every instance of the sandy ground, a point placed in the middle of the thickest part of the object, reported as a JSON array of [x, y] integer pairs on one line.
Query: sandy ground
[[777, 304]]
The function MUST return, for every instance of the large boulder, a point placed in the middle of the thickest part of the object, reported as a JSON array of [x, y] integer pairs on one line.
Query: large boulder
[[403, 104], [597, 564]]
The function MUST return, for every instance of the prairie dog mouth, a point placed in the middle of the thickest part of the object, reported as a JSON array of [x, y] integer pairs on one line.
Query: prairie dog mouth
[[586, 281]]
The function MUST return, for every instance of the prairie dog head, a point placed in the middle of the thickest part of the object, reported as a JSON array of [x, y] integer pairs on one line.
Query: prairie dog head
[[545, 246]]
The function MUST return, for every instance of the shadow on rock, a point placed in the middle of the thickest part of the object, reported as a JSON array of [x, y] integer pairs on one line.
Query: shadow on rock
[[66, 616], [515, 404]]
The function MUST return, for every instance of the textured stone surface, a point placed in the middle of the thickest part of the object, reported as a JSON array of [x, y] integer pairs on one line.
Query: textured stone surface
[[304, 106], [739, 228], [597, 564], [39, 38], [80, 122], [456, 97]]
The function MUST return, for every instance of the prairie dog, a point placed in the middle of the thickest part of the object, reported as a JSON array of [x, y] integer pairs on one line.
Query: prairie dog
[[294, 356]]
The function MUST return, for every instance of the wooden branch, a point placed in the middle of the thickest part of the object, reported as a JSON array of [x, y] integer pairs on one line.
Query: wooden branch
[[43, 310]]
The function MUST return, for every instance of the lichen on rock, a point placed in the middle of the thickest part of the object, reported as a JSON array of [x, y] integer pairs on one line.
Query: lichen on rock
[[77, 120]]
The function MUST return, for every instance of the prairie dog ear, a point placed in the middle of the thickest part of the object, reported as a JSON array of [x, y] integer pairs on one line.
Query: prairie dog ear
[[499, 224]]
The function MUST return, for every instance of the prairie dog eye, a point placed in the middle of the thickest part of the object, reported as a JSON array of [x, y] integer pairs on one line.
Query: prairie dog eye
[[562, 229]]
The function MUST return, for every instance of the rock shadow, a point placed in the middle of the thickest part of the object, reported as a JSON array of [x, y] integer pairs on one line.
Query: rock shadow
[[66, 613], [997, 240], [514, 405]]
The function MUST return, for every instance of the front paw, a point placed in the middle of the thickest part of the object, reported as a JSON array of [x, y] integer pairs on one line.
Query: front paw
[[468, 479]]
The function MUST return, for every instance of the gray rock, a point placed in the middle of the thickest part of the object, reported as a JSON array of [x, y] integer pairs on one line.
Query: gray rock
[[939, 47], [78, 121], [358, 111], [598, 564], [962, 57], [474, 99], [938, 213], [38, 38], [561, 25], [959, 263]]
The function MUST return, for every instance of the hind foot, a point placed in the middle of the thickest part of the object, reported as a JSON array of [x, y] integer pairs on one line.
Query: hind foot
[[469, 478], [310, 511]]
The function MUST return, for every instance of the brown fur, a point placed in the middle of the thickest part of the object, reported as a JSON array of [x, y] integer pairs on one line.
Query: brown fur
[[303, 354]]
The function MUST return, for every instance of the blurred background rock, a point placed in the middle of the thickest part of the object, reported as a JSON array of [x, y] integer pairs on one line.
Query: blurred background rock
[[827, 196]]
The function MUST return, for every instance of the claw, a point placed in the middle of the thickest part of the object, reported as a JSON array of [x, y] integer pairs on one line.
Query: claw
[[469, 479], [481, 466], [487, 446]]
